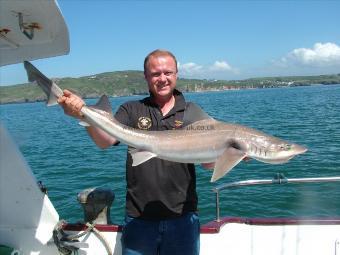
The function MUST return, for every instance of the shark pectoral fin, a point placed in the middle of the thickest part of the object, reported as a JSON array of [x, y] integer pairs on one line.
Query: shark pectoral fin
[[84, 124], [139, 157], [224, 163]]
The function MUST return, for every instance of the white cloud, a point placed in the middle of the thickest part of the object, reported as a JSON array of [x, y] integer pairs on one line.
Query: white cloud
[[221, 66], [216, 70], [189, 68], [327, 54]]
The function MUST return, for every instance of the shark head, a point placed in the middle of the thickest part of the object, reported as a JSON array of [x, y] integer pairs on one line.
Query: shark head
[[279, 152]]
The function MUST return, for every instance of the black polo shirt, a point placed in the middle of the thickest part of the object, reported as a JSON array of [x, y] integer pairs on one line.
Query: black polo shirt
[[158, 189]]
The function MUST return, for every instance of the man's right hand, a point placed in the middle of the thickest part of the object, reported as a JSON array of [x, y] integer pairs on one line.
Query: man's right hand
[[71, 104]]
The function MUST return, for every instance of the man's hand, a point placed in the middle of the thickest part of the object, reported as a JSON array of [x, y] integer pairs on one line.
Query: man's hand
[[208, 165], [71, 104], [246, 159]]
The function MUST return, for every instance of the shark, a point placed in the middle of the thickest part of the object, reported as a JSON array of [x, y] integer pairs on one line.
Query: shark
[[204, 141]]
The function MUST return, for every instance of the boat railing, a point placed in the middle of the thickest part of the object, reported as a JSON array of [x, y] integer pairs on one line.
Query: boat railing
[[278, 179]]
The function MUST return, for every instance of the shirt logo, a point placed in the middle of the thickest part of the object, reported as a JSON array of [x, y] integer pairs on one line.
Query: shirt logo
[[144, 123], [178, 123]]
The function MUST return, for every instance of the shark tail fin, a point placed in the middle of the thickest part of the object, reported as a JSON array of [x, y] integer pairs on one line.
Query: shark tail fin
[[51, 89], [52, 99]]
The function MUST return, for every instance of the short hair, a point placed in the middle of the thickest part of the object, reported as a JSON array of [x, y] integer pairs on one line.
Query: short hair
[[158, 53]]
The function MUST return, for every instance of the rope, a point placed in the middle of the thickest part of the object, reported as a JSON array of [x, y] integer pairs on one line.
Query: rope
[[101, 237], [66, 249]]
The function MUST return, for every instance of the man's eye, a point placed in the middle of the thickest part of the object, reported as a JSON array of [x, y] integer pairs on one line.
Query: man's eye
[[169, 73], [156, 75]]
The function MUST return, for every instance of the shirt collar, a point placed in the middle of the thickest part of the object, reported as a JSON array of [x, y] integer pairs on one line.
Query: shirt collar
[[179, 102]]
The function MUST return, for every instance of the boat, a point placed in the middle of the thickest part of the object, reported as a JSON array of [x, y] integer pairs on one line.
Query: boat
[[30, 224]]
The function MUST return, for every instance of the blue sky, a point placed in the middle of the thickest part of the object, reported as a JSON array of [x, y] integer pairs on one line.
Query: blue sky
[[211, 39]]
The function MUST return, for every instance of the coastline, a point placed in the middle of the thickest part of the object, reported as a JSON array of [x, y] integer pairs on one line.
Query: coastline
[[131, 83]]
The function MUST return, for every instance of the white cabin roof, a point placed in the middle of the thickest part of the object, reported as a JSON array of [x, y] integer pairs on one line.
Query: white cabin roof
[[31, 30]]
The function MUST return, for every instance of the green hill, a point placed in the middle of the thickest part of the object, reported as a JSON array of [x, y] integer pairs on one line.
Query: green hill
[[123, 83]]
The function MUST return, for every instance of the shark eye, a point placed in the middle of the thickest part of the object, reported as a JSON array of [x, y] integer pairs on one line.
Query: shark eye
[[285, 147]]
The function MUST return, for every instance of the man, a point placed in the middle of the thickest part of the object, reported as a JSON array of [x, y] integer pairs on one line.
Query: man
[[161, 199]]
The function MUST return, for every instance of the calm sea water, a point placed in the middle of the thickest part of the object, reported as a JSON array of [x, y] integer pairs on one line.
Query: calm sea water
[[63, 157]]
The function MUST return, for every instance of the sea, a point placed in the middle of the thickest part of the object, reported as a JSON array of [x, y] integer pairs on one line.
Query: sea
[[64, 158]]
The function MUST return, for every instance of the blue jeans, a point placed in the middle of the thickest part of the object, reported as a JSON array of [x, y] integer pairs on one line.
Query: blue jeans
[[163, 237]]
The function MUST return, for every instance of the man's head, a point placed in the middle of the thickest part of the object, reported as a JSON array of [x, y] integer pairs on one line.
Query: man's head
[[158, 53], [160, 71]]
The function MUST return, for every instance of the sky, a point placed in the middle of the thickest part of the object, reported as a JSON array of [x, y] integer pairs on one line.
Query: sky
[[211, 39]]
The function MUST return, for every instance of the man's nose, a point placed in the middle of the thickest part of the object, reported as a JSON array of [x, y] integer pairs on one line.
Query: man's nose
[[163, 77]]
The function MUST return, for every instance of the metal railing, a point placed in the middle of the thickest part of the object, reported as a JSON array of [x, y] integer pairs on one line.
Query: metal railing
[[278, 179]]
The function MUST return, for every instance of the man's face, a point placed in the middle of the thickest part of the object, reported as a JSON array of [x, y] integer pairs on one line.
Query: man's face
[[161, 75]]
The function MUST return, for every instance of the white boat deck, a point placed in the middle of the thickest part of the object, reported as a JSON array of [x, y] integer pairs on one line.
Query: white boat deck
[[246, 236], [274, 236], [258, 236]]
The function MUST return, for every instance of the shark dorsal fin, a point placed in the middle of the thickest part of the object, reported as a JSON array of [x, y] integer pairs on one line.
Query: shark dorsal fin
[[103, 104]]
